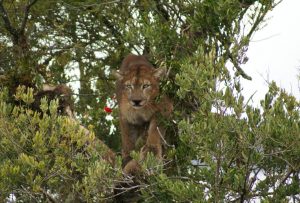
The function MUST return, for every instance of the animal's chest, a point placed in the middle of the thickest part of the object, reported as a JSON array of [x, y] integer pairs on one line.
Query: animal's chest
[[137, 118], [138, 134]]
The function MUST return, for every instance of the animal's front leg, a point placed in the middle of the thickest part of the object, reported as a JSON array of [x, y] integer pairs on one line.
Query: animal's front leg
[[127, 142], [153, 143], [129, 165]]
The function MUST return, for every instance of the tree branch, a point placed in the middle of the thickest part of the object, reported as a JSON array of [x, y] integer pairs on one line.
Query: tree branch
[[48, 196], [16, 33], [114, 31], [162, 11], [240, 71], [7, 23], [26, 14], [287, 175]]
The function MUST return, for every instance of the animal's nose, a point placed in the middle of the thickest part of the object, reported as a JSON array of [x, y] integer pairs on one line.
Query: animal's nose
[[136, 102]]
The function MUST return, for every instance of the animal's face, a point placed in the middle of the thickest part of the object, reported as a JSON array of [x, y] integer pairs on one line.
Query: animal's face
[[140, 86]]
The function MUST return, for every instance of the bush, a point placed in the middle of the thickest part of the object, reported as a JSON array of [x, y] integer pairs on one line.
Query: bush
[[47, 157]]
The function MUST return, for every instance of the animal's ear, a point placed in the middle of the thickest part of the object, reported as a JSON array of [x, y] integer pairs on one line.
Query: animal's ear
[[117, 75], [159, 72]]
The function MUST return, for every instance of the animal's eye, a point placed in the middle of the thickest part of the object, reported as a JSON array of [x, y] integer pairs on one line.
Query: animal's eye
[[128, 86], [146, 86]]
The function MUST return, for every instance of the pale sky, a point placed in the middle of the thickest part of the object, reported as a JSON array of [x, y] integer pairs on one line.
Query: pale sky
[[274, 52]]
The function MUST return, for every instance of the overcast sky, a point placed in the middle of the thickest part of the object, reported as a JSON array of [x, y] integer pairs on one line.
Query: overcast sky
[[274, 52]]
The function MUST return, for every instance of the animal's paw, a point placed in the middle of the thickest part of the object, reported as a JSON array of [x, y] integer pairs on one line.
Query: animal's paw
[[132, 168]]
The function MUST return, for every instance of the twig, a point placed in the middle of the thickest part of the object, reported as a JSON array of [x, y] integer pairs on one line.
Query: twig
[[164, 138], [290, 171], [238, 67], [125, 190], [49, 197]]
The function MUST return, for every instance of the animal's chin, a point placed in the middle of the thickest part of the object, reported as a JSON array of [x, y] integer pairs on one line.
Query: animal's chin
[[137, 107]]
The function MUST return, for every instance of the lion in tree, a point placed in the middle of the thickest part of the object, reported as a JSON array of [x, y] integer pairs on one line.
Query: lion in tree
[[137, 95]]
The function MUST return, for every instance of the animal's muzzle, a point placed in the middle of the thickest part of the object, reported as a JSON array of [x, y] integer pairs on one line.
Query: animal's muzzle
[[136, 103]]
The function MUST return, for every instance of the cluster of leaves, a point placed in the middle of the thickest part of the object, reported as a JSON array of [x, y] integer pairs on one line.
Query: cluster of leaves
[[228, 150], [46, 157]]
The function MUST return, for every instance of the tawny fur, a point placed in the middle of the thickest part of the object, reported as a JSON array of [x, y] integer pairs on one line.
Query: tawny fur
[[138, 83]]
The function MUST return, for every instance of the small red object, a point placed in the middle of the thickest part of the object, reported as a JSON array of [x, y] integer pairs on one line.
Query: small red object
[[107, 109]]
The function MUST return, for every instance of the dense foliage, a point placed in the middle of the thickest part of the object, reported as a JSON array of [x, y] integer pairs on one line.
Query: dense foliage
[[219, 148], [47, 156]]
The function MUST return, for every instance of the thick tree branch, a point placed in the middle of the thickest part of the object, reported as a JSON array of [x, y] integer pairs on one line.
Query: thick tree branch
[[17, 33], [26, 14], [7, 23]]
